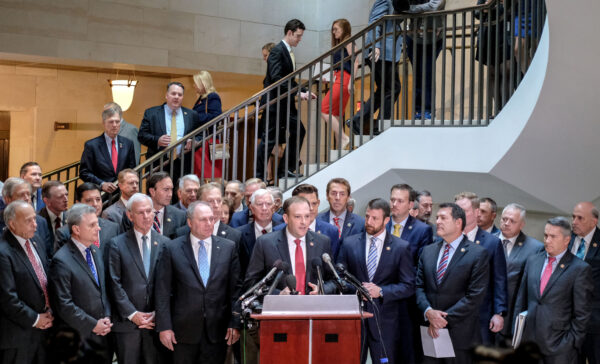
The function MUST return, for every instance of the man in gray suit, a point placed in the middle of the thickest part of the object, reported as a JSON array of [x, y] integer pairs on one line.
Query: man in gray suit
[[517, 248], [556, 292], [128, 183]]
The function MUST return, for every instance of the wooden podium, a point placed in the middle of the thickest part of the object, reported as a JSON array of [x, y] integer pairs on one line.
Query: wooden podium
[[310, 329]]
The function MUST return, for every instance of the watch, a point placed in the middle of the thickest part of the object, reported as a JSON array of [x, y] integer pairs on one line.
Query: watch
[[381, 292]]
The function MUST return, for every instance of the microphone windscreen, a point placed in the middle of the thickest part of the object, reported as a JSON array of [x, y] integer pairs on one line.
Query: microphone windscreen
[[290, 281], [278, 264], [285, 267], [340, 267], [326, 258]]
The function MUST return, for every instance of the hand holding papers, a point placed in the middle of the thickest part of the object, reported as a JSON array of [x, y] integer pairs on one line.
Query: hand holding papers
[[439, 347], [519, 326]]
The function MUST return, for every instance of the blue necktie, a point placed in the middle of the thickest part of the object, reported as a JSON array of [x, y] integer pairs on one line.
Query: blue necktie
[[146, 255], [581, 250], [372, 259], [203, 266], [90, 263]]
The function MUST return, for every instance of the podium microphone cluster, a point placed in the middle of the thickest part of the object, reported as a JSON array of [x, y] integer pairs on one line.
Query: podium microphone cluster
[[277, 266], [338, 280], [354, 282]]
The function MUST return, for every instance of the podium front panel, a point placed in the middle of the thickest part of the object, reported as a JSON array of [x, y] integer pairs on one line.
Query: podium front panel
[[284, 341], [336, 341]]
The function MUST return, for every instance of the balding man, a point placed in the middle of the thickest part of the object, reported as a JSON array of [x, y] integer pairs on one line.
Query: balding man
[[129, 183], [518, 247], [25, 313], [584, 244]]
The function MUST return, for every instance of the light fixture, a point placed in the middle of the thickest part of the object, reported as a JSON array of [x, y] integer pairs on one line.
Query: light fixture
[[122, 92]]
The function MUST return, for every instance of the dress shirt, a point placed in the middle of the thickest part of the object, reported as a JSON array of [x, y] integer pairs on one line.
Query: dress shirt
[[37, 259], [510, 244], [124, 201], [258, 229], [588, 240], [216, 228], [178, 121], [313, 225], [292, 249], [239, 208], [554, 264], [53, 219], [34, 199], [402, 223], [342, 218], [82, 249], [453, 246], [287, 46], [109, 144], [378, 243], [196, 248], [138, 238], [161, 218], [489, 230], [471, 234]]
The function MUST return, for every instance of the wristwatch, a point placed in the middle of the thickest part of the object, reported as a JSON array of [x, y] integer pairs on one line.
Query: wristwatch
[[380, 292]]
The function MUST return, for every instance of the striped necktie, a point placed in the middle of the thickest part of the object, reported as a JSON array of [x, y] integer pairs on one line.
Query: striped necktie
[[581, 250], [443, 263], [372, 259]]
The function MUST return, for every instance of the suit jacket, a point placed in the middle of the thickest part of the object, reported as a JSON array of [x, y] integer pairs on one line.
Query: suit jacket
[[593, 259], [130, 289], [396, 277], [96, 163], [354, 224], [241, 218], [461, 291], [115, 212], [324, 228], [524, 247], [184, 304], [42, 233], [154, 126], [247, 242], [75, 296], [130, 132], [21, 295], [557, 319], [279, 65], [417, 233], [108, 230], [274, 245], [44, 213], [495, 231], [173, 219]]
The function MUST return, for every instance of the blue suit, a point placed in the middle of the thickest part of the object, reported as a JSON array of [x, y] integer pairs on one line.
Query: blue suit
[[496, 297], [247, 242], [417, 233], [96, 162], [354, 224], [495, 231], [241, 218], [395, 275], [324, 228]]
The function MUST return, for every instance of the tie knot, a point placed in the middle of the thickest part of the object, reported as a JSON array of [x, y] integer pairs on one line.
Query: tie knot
[[373, 240], [551, 260], [144, 238], [201, 243], [264, 231], [336, 219], [88, 251], [297, 241], [156, 212]]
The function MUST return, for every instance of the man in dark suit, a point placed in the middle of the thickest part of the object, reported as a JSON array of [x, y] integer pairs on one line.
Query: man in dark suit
[[244, 216], [132, 258], [164, 125], [404, 226], [487, 215], [347, 223], [17, 189], [89, 194], [106, 155], [495, 303], [187, 191], [556, 292], [56, 198], [281, 63], [517, 248], [24, 302], [384, 264], [451, 284], [234, 190], [197, 283], [32, 173], [77, 286], [129, 184], [584, 244]]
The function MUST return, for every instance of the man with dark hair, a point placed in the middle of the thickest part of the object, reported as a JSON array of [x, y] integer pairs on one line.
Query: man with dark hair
[[281, 63], [25, 314], [32, 173], [89, 194], [127, 130], [234, 190], [556, 291], [129, 184], [487, 215], [164, 125], [425, 207], [347, 223], [106, 155], [167, 218], [383, 263], [495, 304], [56, 199], [451, 284]]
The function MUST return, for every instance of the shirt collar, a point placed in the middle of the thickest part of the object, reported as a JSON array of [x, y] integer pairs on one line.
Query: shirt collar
[[168, 110], [109, 139], [269, 226], [51, 214], [558, 257], [139, 235], [289, 48], [313, 225], [291, 238], [82, 248], [512, 240], [380, 237], [471, 234], [195, 240], [403, 222], [588, 237], [454, 244], [19, 239], [342, 216]]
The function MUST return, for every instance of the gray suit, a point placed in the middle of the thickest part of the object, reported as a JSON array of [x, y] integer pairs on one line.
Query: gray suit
[[556, 320], [115, 212], [130, 132]]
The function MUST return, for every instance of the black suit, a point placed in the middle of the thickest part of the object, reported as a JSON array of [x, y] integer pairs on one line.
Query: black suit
[[96, 163], [556, 321], [44, 213], [247, 241], [460, 293], [108, 230], [173, 219], [75, 296], [21, 301], [198, 315], [279, 65], [132, 290]]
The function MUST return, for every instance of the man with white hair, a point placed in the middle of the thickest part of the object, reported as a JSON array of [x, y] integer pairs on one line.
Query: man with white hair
[[187, 191]]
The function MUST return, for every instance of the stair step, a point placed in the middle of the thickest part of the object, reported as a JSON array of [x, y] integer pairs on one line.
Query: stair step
[[361, 139], [334, 154], [311, 169]]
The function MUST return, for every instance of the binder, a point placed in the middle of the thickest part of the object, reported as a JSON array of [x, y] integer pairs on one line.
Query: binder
[[519, 326]]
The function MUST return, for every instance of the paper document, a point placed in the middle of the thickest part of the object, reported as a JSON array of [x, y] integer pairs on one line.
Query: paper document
[[519, 326], [437, 348]]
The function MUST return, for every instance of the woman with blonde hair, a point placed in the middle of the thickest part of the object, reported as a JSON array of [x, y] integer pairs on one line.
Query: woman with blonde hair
[[208, 107], [340, 31]]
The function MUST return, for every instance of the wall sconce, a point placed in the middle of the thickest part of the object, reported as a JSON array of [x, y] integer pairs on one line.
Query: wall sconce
[[122, 92]]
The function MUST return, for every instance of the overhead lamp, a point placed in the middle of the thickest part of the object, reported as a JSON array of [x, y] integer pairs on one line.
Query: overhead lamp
[[122, 92]]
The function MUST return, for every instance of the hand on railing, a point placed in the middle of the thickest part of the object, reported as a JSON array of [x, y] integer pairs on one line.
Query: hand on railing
[[164, 141], [188, 145], [306, 95], [108, 187]]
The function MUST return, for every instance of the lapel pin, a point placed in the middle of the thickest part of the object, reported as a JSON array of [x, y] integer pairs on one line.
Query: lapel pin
[[349, 224], [410, 227], [388, 248], [562, 265], [476, 241], [155, 243], [595, 245], [120, 146], [223, 233], [185, 113], [462, 250], [319, 231], [312, 244], [520, 244], [168, 219], [218, 247]]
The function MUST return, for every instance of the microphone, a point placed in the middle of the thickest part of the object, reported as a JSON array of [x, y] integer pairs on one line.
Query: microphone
[[284, 268], [290, 282], [327, 260], [316, 264], [276, 266], [354, 281]]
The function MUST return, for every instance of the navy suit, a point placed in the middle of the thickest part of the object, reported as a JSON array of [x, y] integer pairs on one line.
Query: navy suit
[[324, 228], [354, 224], [96, 163], [396, 277], [496, 298], [417, 233], [241, 218], [247, 241]]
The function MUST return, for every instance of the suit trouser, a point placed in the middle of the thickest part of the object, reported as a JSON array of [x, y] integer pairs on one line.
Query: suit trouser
[[134, 346], [462, 357], [203, 352], [563, 358], [590, 349], [31, 354]]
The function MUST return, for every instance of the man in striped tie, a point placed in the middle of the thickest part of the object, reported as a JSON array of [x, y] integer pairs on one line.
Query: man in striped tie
[[452, 277]]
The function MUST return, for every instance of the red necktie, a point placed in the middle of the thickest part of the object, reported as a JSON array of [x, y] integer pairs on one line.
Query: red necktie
[[546, 275], [39, 271], [336, 222], [57, 223], [300, 269], [114, 155]]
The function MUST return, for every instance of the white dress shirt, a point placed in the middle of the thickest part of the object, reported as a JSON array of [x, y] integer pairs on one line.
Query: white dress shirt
[[82, 249], [258, 229], [140, 243], [292, 249], [342, 218], [53, 219], [471, 234], [216, 228], [161, 218], [511, 243]]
